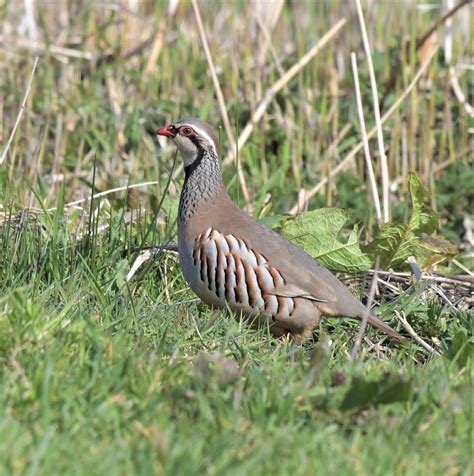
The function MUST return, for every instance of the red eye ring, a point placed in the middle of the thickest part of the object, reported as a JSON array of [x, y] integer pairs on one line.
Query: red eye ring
[[186, 131]]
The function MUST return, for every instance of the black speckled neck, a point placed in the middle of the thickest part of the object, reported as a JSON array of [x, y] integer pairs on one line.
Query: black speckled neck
[[203, 182]]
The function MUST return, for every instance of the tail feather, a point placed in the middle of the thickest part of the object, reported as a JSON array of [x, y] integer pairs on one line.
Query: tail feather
[[374, 321], [348, 305]]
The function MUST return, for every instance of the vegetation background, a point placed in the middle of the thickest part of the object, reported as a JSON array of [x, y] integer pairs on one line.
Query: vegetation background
[[100, 374]]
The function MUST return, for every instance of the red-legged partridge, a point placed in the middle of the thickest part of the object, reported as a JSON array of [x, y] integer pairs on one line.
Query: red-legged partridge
[[230, 259]]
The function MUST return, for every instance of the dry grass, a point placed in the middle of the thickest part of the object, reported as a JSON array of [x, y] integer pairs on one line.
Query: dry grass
[[306, 116]]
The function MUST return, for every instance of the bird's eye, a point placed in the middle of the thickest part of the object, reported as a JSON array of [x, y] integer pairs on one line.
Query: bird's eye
[[187, 131]]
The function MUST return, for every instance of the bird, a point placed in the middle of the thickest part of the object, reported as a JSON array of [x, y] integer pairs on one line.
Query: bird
[[230, 260]]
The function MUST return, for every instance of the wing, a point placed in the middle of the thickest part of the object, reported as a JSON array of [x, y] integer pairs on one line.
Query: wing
[[302, 275], [235, 271]]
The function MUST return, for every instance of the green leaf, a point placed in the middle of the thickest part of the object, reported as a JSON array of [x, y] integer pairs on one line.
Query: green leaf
[[394, 243], [317, 233], [423, 218]]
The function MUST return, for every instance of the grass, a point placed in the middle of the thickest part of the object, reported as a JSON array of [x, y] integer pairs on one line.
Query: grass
[[101, 376]]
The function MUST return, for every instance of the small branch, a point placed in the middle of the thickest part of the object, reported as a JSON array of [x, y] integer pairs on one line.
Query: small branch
[[378, 123], [20, 112], [406, 325], [365, 140], [277, 86], [365, 316]]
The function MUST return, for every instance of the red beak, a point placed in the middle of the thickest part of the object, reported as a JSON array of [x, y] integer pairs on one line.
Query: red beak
[[168, 131]]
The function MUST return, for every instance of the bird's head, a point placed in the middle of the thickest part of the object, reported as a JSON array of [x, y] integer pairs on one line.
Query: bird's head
[[193, 138]]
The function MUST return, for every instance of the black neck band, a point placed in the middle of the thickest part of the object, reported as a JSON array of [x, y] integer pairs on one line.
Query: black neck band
[[188, 171]]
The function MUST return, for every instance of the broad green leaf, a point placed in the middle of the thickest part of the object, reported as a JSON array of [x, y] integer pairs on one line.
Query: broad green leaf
[[394, 243], [423, 218], [317, 233]]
